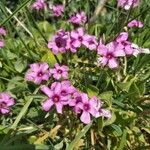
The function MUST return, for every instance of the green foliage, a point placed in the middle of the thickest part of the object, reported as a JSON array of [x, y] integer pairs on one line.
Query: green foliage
[[125, 91]]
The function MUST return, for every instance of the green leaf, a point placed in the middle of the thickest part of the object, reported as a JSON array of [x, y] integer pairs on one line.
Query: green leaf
[[117, 130], [106, 96], [20, 65], [123, 140], [59, 146], [92, 90], [46, 27], [50, 59], [79, 136], [126, 86], [11, 55], [16, 84]]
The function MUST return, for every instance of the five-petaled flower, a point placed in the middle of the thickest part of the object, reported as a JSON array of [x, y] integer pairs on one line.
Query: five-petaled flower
[[55, 97], [38, 73], [59, 71], [109, 54]]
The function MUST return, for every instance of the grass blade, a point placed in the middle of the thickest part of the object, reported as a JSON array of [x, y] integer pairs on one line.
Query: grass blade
[[16, 11], [78, 137], [123, 140]]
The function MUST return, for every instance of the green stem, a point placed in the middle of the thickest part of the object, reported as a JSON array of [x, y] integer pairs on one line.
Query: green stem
[[16, 11]]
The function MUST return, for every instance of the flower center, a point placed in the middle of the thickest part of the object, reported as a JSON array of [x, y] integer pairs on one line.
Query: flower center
[[80, 38], [109, 56], [60, 42], [59, 71], [3, 105], [86, 107], [91, 42], [55, 98], [40, 74], [78, 99], [63, 92]]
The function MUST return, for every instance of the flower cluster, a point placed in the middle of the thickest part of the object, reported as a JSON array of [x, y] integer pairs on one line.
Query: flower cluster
[[63, 93], [78, 18], [41, 72], [63, 41], [127, 4], [2, 34], [39, 5], [120, 47], [6, 101]]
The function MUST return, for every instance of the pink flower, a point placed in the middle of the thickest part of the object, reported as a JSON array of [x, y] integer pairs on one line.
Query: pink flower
[[5, 102], [135, 23], [39, 5], [122, 40], [60, 72], [1, 44], [55, 97], [97, 104], [59, 42], [75, 101], [90, 42], [38, 73], [109, 54], [87, 109], [58, 10], [2, 31], [78, 18], [77, 37], [127, 4]]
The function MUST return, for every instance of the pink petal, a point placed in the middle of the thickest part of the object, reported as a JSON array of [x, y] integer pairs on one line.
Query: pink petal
[[85, 117], [76, 43], [35, 67], [4, 110], [112, 63], [59, 107], [74, 35], [47, 105], [10, 102], [37, 80], [57, 88], [103, 60], [93, 111], [119, 53], [80, 31], [122, 37], [106, 113], [85, 98], [47, 91]]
